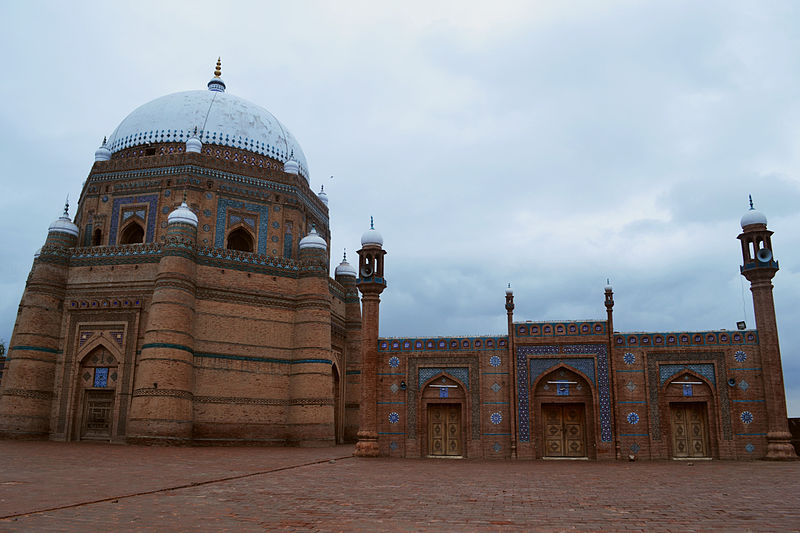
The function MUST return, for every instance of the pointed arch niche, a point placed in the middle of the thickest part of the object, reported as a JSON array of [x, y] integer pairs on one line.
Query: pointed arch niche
[[564, 419], [445, 416], [96, 404]]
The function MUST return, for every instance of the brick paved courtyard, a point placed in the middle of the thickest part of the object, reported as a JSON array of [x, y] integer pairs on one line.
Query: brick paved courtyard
[[46, 486]]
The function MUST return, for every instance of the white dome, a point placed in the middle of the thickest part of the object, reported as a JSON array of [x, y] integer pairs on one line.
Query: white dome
[[313, 241], [508, 289], [752, 216], [182, 214], [291, 167], [371, 236], [346, 269], [64, 225], [193, 145], [102, 153], [221, 119], [322, 195]]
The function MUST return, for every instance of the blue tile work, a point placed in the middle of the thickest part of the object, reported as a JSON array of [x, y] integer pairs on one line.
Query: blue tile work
[[151, 199], [552, 329], [522, 385], [706, 370], [584, 365], [633, 418], [263, 223], [686, 338], [100, 377], [446, 344], [740, 356], [460, 373], [600, 352], [746, 417]]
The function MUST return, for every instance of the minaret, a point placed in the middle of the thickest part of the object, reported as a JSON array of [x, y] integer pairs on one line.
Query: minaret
[[346, 274], [609, 302], [371, 284], [513, 366], [163, 391], [759, 267], [27, 390]]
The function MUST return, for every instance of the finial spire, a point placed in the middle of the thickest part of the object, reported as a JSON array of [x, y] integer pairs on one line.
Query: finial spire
[[104, 140], [66, 207], [344, 258], [509, 284], [371, 223], [218, 70], [750, 196], [184, 195], [608, 281]]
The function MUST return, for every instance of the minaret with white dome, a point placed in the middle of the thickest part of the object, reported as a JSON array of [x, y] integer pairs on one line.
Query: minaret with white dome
[[371, 283], [759, 267]]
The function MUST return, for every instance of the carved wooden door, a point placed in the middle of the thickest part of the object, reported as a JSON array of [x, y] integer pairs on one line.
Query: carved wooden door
[[444, 430], [97, 414], [564, 430], [689, 436]]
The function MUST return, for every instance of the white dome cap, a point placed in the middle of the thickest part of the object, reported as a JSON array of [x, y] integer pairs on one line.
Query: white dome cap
[[182, 214], [508, 289], [193, 144], [291, 166], [345, 268], [322, 195], [752, 216], [313, 241], [371, 236], [64, 224], [102, 153]]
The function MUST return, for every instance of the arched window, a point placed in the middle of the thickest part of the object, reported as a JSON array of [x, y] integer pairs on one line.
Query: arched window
[[239, 239], [97, 237], [132, 234]]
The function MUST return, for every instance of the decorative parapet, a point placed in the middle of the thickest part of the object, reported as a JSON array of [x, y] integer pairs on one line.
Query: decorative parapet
[[686, 338], [560, 328], [115, 255], [250, 262], [439, 344]]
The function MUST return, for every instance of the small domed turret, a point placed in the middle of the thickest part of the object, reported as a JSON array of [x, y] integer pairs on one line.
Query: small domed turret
[[752, 216], [345, 268], [64, 224], [102, 153], [291, 167], [313, 241], [216, 84], [508, 289], [182, 214], [371, 236], [322, 195], [193, 144]]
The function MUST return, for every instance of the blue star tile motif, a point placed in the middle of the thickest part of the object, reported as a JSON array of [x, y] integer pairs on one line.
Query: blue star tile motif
[[749, 448], [629, 358], [394, 362], [633, 418], [497, 447], [740, 356], [393, 445], [635, 447], [746, 417], [494, 360], [496, 418], [394, 418]]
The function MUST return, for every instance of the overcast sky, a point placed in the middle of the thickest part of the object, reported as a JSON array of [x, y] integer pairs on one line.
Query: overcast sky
[[551, 145]]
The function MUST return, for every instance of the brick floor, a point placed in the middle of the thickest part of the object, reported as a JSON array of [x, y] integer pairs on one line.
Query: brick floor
[[46, 486]]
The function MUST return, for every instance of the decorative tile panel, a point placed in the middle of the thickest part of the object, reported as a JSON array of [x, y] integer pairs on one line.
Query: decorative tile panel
[[704, 369], [223, 204], [151, 200], [460, 373]]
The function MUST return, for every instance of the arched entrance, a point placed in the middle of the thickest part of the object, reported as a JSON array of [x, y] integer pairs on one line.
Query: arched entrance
[[97, 390], [688, 402], [444, 417], [563, 415]]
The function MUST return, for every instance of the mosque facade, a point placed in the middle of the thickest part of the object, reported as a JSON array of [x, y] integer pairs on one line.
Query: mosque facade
[[189, 301]]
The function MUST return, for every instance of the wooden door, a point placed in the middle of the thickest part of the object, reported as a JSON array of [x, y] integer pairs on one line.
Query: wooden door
[[97, 413], [444, 430], [564, 430], [689, 435]]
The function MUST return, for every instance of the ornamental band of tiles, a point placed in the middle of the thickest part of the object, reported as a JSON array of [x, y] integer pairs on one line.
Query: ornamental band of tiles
[[190, 301]]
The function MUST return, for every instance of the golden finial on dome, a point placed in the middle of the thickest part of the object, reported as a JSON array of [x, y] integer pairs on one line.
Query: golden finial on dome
[[218, 70]]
